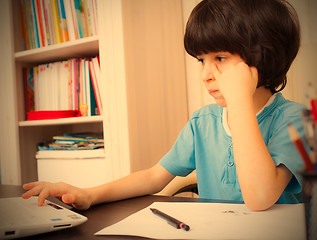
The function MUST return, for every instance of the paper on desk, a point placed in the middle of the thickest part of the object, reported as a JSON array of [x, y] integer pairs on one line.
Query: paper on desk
[[215, 221]]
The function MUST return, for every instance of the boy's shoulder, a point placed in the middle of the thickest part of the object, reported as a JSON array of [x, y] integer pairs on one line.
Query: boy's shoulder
[[213, 110], [284, 107]]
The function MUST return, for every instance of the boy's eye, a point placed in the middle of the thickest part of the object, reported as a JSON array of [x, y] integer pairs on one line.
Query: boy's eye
[[221, 58], [201, 60]]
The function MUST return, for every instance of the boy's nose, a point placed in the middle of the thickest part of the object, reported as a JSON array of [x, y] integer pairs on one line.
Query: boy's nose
[[207, 74]]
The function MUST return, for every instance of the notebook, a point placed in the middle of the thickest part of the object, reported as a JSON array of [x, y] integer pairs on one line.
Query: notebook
[[20, 217]]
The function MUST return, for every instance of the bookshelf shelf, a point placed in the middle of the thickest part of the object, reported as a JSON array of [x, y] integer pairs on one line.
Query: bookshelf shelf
[[77, 48], [62, 121]]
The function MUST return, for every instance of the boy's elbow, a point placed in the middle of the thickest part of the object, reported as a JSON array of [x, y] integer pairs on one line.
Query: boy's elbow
[[257, 206], [259, 201]]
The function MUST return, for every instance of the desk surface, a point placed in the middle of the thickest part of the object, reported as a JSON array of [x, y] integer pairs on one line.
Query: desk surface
[[99, 216]]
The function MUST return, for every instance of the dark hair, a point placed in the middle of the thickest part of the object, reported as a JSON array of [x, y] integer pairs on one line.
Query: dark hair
[[265, 33]]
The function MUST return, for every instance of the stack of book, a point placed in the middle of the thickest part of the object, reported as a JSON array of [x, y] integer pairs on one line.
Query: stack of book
[[47, 22], [78, 141], [73, 84]]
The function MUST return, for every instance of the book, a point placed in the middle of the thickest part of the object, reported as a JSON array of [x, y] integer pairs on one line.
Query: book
[[75, 141], [40, 83], [44, 89], [75, 83], [81, 136], [88, 92], [62, 20], [30, 24], [80, 18], [45, 23], [35, 25], [30, 31], [92, 16], [57, 30], [93, 102], [74, 15], [81, 85], [95, 76], [39, 21], [53, 79], [36, 89], [50, 21], [95, 15], [86, 17], [70, 20], [65, 85], [28, 83], [24, 27], [70, 85]]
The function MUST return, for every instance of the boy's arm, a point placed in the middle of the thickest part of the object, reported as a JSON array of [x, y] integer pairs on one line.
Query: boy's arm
[[136, 184], [140, 183], [261, 182]]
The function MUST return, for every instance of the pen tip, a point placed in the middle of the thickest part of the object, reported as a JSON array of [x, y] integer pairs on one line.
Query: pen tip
[[186, 227]]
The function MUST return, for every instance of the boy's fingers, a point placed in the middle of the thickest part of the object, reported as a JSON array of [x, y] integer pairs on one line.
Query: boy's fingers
[[28, 186], [68, 198], [44, 189], [26, 195], [42, 196], [32, 192]]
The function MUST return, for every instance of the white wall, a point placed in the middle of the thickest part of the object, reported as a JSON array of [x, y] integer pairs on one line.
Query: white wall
[[304, 69], [9, 159], [196, 91]]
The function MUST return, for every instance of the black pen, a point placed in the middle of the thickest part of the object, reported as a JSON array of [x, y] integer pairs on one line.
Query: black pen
[[174, 222]]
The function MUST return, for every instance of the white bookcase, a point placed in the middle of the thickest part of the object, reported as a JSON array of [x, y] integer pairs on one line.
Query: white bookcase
[[143, 87]]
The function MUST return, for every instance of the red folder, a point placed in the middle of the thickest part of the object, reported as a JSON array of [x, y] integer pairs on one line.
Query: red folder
[[314, 109], [40, 115]]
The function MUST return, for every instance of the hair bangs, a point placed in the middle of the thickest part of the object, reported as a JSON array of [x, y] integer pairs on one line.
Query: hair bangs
[[205, 31]]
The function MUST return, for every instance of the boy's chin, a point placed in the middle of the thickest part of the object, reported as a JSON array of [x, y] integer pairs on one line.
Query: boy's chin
[[221, 102]]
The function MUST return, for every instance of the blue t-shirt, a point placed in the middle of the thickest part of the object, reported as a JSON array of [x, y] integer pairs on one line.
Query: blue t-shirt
[[204, 145]]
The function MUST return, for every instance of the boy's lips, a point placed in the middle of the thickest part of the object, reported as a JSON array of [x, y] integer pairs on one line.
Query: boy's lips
[[214, 93]]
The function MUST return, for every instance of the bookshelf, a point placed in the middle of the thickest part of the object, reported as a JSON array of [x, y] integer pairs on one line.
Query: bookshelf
[[80, 47], [61, 121], [143, 87]]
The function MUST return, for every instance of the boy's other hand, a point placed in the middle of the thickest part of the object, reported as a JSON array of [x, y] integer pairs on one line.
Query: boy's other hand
[[69, 194]]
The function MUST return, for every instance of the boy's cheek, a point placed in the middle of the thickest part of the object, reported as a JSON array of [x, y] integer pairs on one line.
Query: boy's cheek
[[223, 67]]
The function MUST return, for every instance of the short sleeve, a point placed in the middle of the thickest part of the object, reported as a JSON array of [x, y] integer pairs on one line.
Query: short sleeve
[[283, 150], [180, 160]]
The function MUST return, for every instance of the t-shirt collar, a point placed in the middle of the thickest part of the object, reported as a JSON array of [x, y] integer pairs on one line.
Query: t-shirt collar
[[225, 115]]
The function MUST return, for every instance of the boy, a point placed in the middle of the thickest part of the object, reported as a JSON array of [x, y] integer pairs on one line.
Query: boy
[[240, 146]]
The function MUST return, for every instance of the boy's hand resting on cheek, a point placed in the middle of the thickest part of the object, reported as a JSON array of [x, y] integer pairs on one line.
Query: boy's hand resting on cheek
[[236, 81], [69, 194]]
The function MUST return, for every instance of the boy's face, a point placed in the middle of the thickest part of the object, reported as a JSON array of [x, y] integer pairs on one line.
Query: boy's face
[[222, 60]]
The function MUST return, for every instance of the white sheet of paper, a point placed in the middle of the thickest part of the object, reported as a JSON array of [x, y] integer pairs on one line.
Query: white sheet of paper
[[214, 221]]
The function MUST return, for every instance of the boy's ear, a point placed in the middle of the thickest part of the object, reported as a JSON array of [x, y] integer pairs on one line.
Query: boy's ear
[[254, 74]]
